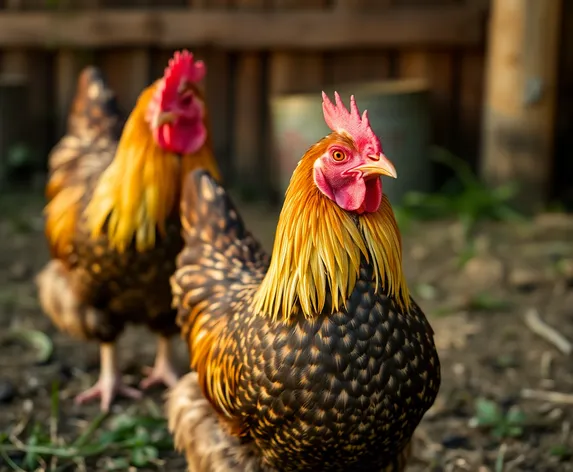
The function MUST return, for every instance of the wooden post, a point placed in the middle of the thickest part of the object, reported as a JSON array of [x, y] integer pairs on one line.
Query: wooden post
[[519, 108]]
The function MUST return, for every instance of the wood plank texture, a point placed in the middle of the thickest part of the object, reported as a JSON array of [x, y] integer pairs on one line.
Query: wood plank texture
[[291, 71], [218, 92], [128, 73], [438, 69], [248, 114], [520, 99], [471, 85], [247, 29]]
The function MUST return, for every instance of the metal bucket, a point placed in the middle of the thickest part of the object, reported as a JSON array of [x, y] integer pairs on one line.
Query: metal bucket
[[399, 114]]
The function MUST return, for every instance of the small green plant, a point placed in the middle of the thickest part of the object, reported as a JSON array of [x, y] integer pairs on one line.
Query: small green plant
[[465, 198], [501, 424], [562, 452], [485, 301], [37, 340], [124, 441]]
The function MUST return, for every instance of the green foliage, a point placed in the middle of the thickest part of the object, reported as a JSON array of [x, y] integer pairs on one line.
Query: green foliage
[[465, 198], [562, 452], [500, 423], [124, 441], [19, 157], [485, 301], [38, 340]]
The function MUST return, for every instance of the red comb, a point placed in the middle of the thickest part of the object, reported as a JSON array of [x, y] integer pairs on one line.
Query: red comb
[[181, 66], [338, 119]]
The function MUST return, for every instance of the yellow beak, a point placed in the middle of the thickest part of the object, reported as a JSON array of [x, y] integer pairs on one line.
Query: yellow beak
[[163, 118], [380, 165]]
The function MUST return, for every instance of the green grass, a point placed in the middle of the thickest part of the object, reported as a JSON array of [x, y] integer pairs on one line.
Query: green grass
[[115, 442], [465, 198]]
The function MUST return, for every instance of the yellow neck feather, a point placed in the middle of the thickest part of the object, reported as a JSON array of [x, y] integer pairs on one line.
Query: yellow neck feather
[[141, 187], [318, 249]]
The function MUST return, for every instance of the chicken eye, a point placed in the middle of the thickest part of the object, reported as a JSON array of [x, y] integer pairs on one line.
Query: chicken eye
[[338, 155], [185, 99]]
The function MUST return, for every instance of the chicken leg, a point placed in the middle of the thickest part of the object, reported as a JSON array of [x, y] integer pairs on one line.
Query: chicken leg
[[162, 372], [110, 383]]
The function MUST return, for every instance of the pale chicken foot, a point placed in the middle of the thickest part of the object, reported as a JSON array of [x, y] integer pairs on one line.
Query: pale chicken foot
[[110, 382], [162, 372]]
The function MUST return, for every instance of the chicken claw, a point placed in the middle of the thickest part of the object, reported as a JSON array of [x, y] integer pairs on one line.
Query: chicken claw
[[109, 384], [107, 389], [162, 372]]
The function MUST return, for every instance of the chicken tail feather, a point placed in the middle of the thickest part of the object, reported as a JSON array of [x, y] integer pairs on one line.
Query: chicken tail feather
[[218, 252], [59, 301], [199, 434]]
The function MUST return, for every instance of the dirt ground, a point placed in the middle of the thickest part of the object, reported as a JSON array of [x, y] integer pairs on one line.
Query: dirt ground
[[490, 357]]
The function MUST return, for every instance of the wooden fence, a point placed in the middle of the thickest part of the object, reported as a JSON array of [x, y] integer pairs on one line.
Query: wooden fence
[[253, 49]]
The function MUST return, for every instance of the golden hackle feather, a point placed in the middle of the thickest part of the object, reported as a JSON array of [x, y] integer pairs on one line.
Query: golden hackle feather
[[61, 218], [72, 166], [318, 249], [141, 187], [75, 163]]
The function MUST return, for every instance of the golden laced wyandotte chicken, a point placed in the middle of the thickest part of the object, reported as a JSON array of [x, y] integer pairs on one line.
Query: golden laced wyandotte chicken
[[112, 220], [319, 359]]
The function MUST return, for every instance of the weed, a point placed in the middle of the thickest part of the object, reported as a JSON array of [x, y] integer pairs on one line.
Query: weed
[[119, 442], [466, 198], [501, 424]]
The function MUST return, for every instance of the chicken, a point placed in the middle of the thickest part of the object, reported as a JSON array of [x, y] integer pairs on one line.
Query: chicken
[[112, 218], [314, 359]]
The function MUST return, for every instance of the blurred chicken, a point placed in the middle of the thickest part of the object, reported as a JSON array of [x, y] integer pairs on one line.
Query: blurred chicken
[[112, 221], [318, 360]]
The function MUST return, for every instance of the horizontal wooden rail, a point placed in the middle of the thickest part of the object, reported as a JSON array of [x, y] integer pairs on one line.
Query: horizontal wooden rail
[[318, 30]]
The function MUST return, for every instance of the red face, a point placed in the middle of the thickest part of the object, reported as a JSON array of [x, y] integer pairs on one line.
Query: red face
[[176, 113], [179, 126], [351, 177], [350, 169]]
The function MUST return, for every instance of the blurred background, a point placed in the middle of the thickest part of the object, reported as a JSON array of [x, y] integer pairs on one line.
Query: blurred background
[[473, 100]]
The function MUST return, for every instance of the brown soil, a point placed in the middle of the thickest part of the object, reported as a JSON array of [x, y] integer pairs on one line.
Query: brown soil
[[477, 310]]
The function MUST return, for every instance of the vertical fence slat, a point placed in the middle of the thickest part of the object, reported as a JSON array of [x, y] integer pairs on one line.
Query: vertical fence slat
[[127, 70], [437, 67], [561, 187], [218, 95], [470, 103], [68, 64], [248, 116], [358, 65], [15, 64], [238, 85], [248, 125], [295, 71], [128, 73], [292, 72]]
